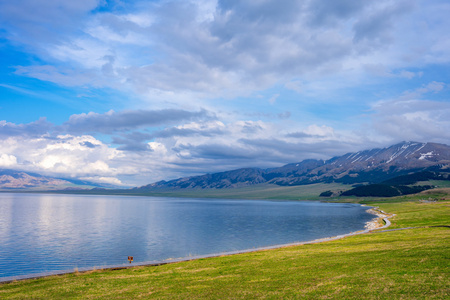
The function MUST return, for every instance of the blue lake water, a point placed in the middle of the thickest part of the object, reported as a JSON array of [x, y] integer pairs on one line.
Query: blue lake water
[[46, 232]]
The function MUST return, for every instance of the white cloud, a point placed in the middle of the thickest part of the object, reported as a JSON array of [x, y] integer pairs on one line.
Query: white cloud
[[432, 87], [7, 160], [417, 120], [89, 54], [141, 19], [192, 148], [63, 155], [183, 54], [295, 85], [62, 75], [274, 98], [410, 75], [218, 147], [383, 70], [218, 49], [182, 150], [323, 131], [158, 148], [102, 179]]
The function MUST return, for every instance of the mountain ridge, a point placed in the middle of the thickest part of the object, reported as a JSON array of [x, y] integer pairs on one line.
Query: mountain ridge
[[370, 166], [367, 166], [12, 180]]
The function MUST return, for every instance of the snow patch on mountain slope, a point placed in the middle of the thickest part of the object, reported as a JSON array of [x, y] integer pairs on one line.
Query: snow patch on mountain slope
[[426, 155]]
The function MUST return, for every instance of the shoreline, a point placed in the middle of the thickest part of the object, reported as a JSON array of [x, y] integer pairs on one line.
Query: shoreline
[[374, 224], [380, 215]]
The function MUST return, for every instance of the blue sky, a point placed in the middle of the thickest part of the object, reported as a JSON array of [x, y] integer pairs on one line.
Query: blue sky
[[132, 92]]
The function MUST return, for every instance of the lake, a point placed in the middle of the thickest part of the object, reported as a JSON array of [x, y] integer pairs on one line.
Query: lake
[[48, 232]]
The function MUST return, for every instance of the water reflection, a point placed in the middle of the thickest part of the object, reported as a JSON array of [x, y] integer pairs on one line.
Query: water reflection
[[41, 232]]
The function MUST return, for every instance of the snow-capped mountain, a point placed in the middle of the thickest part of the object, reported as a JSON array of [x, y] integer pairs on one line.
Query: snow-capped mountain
[[368, 166]]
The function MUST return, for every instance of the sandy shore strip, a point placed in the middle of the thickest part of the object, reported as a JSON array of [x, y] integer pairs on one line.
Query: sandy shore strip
[[374, 224], [380, 215]]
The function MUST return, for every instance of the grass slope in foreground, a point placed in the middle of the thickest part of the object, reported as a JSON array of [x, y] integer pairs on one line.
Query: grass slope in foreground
[[401, 264]]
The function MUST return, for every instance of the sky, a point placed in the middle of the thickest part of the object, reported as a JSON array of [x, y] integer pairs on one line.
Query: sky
[[132, 92]]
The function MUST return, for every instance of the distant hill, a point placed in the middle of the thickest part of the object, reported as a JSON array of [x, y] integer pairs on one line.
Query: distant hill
[[400, 185], [384, 190], [396, 168], [18, 180], [363, 167]]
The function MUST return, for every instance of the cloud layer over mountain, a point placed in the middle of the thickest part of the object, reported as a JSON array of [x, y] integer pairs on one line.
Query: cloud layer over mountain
[[138, 91]]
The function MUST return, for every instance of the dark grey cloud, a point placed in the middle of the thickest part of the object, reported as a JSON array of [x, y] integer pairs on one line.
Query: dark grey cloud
[[130, 145], [246, 46], [134, 141], [111, 122], [252, 45], [300, 135], [137, 141], [88, 144], [263, 153], [217, 152]]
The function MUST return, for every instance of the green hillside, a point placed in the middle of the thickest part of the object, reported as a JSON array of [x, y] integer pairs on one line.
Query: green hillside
[[260, 191]]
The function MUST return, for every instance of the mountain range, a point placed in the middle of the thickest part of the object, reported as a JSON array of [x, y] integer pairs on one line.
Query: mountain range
[[368, 167], [11, 180]]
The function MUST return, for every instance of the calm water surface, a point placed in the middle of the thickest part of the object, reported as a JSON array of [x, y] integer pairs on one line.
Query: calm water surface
[[41, 233]]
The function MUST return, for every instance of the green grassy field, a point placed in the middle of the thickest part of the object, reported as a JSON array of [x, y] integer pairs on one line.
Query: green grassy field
[[401, 264], [260, 191], [438, 183]]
